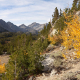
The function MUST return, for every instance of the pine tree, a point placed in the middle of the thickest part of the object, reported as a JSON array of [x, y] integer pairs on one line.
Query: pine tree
[[66, 10], [60, 13], [43, 32], [59, 25], [55, 15], [78, 5], [48, 27], [74, 5]]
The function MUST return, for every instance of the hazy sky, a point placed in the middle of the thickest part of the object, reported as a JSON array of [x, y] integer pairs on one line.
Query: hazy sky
[[28, 11]]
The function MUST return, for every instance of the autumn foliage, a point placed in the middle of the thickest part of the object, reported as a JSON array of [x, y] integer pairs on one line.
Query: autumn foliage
[[2, 68], [52, 39], [71, 34], [55, 39]]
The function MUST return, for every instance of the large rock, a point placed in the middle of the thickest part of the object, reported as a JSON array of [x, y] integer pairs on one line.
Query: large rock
[[53, 32], [48, 63], [78, 13]]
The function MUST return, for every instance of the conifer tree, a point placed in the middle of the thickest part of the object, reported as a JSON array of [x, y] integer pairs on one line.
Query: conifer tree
[[55, 15], [74, 5], [79, 5], [60, 13], [48, 27], [43, 32], [59, 25]]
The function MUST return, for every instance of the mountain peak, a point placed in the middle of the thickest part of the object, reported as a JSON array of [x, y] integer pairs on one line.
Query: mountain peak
[[35, 23], [37, 26], [22, 26]]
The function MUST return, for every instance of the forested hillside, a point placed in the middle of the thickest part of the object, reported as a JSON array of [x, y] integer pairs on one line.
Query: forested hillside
[[24, 51]]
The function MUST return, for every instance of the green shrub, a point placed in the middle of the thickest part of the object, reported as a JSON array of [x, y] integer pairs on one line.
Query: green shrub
[[78, 76], [59, 63], [69, 76], [57, 54]]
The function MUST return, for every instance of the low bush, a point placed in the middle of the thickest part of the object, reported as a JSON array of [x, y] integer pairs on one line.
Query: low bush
[[58, 63]]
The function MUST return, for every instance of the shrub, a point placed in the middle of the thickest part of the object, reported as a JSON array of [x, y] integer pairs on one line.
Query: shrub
[[58, 63], [78, 76], [2, 68], [69, 76], [55, 39]]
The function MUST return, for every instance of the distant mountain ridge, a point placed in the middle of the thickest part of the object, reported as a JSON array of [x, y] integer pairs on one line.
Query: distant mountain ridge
[[37, 26], [5, 26], [10, 27], [23, 26], [28, 29], [3, 30], [13, 27]]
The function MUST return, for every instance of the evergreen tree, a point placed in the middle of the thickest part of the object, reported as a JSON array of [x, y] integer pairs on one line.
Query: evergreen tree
[[59, 25], [78, 5], [43, 32], [74, 5], [45, 44], [60, 13], [55, 15], [48, 27], [66, 10]]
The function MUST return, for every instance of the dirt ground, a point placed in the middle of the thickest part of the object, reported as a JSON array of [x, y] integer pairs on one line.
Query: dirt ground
[[75, 67], [4, 59]]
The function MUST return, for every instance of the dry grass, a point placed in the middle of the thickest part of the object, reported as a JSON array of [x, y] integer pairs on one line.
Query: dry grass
[[4, 59]]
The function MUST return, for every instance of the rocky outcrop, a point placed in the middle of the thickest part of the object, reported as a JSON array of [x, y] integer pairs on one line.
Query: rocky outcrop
[[53, 32], [78, 13], [37, 26], [47, 63]]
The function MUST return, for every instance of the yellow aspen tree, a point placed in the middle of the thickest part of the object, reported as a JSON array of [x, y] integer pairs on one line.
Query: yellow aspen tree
[[71, 34], [53, 39]]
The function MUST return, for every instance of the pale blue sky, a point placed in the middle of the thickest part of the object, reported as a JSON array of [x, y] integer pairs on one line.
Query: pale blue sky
[[28, 11]]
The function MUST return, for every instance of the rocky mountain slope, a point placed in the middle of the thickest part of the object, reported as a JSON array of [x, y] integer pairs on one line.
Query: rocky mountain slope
[[28, 29], [5, 26], [3, 30], [37, 26], [32, 28], [13, 27]]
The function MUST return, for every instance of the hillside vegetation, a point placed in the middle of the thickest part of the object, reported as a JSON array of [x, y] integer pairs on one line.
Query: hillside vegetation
[[25, 51]]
